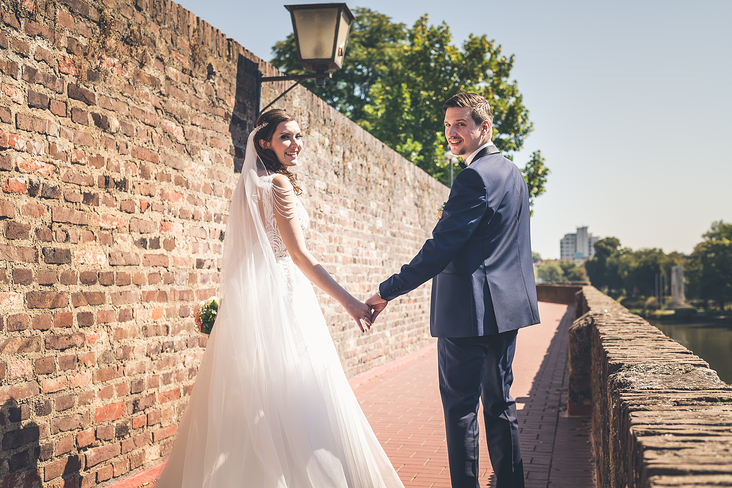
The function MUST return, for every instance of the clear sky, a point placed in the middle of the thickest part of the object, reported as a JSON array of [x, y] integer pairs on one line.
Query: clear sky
[[631, 102]]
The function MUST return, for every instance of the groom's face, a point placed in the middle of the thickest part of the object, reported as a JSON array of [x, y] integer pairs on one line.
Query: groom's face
[[463, 135]]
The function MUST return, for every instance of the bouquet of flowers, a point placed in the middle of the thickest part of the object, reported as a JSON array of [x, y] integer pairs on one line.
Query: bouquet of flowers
[[205, 315]]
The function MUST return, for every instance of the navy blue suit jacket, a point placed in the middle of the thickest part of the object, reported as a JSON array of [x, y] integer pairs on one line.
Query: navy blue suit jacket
[[479, 255]]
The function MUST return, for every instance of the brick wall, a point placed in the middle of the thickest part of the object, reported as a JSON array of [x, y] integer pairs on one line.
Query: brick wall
[[121, 126], [661, 417]]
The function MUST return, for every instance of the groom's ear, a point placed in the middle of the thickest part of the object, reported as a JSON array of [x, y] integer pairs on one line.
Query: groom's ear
[[485, 128]]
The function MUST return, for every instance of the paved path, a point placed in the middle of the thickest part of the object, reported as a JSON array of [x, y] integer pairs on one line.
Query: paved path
[[402, 402]]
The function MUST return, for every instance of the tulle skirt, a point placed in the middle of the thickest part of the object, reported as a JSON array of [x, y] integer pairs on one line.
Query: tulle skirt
[[271, 406]]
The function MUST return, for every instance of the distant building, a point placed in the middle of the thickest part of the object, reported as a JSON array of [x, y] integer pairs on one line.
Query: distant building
[[578, 246]]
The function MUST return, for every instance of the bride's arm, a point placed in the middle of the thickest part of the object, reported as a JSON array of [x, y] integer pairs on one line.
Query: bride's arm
[[289, 226]]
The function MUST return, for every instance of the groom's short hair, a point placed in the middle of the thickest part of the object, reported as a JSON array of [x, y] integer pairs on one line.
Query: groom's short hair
[[481, 109]]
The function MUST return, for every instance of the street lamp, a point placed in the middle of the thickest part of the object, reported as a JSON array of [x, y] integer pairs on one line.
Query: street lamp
[[321, 33], [450, 159]]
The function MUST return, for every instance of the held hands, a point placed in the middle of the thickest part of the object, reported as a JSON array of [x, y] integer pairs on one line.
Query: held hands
[[376, 306], [361, 313]]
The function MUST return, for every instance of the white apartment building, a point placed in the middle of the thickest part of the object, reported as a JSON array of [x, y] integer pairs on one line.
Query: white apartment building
[[579, 246]]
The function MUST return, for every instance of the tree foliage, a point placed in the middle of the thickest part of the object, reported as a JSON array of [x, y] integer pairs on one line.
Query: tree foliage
[[623, 271], [710, 266], [395, 79], [550, 271]]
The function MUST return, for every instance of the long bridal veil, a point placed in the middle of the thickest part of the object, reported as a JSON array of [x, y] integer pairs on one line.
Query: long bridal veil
[[271, 406]]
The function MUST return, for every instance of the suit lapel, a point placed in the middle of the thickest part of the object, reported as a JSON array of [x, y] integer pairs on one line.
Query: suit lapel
[[489, 149]]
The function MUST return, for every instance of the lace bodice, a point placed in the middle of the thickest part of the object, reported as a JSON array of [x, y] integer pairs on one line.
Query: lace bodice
[[270, 221]]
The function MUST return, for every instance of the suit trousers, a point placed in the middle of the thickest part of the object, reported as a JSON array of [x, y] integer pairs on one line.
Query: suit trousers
[[480, 367]]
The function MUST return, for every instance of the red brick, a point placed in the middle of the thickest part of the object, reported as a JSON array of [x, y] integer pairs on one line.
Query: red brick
[[17, 322], [53, 385], [85, 319], [22, 276], [55, 469], [20, 369], [80, 116], [85, 298], [47, 276], [80, 379], [155, 260], [79, 93], [68, 423], [20, 345], [139, 421], [110, 412], [63, 319], [46, 299], [164, 433], [15, 185], [67, 66], [106, 316], [42, 322], [38, 100], [68, 215], [64, 445], [65, 20], [18, 254], [121, 467], [62, 342], [58, 108], [45, 365], [85, 438], [145, 154], [100, 454], [19, 391], [17, 230], [105, 473], [67, 362], [103, 375], [68, 277]]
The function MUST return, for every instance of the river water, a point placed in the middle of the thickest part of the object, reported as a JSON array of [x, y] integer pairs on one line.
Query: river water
[[711, 341]]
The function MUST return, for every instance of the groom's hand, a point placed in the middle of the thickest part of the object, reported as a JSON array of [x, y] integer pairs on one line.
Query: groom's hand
[[377, 304]]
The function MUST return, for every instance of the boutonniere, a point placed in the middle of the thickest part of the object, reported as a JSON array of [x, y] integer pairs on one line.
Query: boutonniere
[[440, 208]]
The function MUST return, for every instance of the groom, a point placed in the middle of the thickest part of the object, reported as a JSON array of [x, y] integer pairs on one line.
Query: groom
[[483, 292]]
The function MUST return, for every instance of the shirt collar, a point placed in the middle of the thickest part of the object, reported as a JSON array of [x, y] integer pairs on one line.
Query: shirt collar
[[469, 159]]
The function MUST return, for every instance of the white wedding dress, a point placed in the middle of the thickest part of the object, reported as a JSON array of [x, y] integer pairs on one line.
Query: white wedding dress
[[271, 406]]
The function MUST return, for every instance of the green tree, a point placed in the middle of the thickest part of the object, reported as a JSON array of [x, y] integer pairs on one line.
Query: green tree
[[640, 269], [602, 269], [535, 173], [719, 230], [709, 269], [550, 271], [395, 80], [572, 271]]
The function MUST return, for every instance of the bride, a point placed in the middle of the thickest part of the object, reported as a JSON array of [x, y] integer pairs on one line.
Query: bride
[[271, 406]]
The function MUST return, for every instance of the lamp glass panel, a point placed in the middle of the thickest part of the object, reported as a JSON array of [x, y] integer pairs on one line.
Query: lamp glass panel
[[343, 29], [316, 29]]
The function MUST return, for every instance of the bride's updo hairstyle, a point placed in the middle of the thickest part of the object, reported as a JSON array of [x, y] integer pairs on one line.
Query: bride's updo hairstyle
[[273, 118]]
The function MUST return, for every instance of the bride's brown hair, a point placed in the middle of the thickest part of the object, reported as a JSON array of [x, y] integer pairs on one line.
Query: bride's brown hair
[[269, 121]]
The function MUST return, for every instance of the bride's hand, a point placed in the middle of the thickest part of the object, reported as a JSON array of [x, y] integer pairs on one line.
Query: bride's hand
[[361, 313]]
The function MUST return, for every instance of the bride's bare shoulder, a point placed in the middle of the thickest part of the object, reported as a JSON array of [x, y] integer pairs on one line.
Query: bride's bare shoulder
[[282, 182]]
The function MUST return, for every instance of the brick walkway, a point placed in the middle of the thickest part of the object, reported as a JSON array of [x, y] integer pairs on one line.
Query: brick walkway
[[402, 402]]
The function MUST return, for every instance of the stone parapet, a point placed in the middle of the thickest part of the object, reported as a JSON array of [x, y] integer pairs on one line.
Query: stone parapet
[[661, 416]]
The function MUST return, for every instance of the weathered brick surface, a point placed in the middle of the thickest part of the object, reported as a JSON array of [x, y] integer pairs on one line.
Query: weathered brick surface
[[661, 417], [118, 160]]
